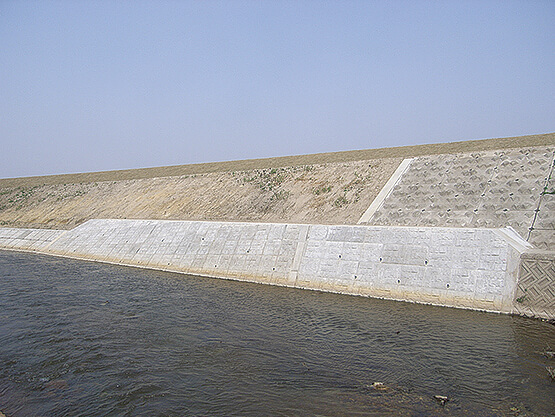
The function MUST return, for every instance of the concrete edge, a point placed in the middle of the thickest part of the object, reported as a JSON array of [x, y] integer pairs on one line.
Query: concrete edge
[[511, 235], [514, 239], [385, 191]]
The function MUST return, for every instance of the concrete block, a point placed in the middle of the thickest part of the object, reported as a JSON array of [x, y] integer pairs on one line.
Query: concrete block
[[318, 232], [347, 270], [309, 267], [462, 267]]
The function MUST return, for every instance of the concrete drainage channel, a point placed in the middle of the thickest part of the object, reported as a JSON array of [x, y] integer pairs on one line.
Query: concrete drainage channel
[[456, 267]]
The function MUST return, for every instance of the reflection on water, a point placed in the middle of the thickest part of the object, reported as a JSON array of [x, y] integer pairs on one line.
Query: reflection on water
[[87, 339]]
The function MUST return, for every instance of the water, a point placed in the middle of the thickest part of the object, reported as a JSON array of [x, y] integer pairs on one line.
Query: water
[[87, 339]]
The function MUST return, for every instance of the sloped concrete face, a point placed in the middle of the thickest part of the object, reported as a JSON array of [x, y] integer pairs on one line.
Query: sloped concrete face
[[469, 268], [27, 239], [474, 268], [492, 189]]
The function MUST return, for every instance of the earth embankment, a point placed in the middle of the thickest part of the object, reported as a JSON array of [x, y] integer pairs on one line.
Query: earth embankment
[[317, 193], [330, 188]]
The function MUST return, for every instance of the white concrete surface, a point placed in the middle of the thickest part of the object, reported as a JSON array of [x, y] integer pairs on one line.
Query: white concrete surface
[[470, 268], [27, 239]]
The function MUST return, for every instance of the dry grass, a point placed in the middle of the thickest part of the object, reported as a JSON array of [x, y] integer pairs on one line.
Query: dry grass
[[322, 188], [285, 161], [330, 193]]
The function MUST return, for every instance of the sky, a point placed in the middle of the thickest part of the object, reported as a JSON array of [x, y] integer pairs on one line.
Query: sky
[[102, 85]]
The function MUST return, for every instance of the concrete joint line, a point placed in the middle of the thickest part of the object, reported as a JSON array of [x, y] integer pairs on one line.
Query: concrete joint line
[[299, 253], [385, 191], [54, 240]]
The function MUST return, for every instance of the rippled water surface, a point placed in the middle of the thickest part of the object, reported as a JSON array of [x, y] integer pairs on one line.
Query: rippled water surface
[[88, 339]]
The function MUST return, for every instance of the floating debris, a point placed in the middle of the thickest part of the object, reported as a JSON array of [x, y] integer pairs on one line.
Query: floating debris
[[551, 372], [379, 386], [441, 399]]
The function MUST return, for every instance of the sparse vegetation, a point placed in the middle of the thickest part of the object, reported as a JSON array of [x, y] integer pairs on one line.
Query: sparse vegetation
[[280, 195], [267, 180], [18, 195], [522, 298], [341, 202], [302, 193], [321, 190]]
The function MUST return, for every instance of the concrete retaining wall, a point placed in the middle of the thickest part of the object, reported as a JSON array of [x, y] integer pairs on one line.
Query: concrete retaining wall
[[470, 268]]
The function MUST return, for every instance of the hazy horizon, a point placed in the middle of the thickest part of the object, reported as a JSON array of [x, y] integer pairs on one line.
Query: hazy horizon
[[269, 157], [105, 85]]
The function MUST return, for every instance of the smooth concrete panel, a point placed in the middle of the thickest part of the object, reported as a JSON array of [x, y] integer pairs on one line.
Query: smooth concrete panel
[[28, 239]]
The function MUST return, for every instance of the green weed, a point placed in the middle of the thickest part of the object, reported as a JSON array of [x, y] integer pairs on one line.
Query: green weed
[[340, 202]]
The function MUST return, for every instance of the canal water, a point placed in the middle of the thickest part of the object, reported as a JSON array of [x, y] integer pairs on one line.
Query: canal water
[[88, 339]]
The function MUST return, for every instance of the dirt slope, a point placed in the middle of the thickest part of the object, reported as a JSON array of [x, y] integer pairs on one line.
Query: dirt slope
[[332, 188]]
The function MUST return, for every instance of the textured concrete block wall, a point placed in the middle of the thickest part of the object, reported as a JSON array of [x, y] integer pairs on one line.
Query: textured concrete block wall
[[491, 189], [472, 268], [535, 294]]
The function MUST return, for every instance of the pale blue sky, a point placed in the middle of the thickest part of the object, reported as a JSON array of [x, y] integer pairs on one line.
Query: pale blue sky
[[98, 85]]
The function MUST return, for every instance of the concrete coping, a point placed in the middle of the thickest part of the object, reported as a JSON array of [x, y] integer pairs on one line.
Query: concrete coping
[[514, 239], [538, 254]]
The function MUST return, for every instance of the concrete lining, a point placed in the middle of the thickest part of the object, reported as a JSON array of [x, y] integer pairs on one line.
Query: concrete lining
[[492, 189], [467, 268]]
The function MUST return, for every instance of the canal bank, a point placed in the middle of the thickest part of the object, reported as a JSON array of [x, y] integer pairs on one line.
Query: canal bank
[[468, 224], [494, 183], [483, 269]]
